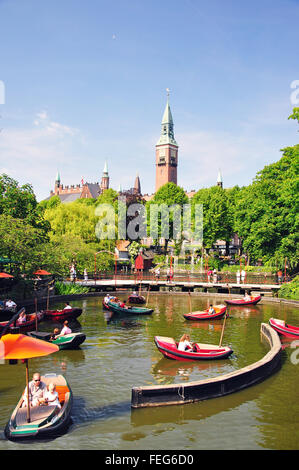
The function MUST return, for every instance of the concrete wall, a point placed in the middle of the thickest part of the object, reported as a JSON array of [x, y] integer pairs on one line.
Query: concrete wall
[[214, 387]]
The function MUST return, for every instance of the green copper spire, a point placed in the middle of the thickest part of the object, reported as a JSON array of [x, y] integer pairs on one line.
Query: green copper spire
[[167, 134], [57, 180], [105, 171]]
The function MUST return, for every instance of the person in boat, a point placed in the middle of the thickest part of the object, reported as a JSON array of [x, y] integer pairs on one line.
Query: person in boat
[[184, 344], [134, 293], [65, 330], [247, 297], [67, 306], [51, 396], [211, 310], [107, 299], [123, 304], [10, 304], [37, 390], [54, 335], [22, 318]]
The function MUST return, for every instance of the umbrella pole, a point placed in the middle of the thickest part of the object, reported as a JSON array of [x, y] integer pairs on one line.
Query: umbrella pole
[[35, 300], [27, 385]]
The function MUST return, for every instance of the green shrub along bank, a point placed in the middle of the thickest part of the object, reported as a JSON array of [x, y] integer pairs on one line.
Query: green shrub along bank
[[68, 289], [290, 290]]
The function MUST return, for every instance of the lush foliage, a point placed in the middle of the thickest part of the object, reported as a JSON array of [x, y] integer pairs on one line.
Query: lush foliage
[[217, 214], [290, 290], [267, 216], [67, 289], [164, 224]]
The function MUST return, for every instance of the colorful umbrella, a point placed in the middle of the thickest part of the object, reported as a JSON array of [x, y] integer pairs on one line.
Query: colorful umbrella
[[18, 346], [5, 276], [42, 272]]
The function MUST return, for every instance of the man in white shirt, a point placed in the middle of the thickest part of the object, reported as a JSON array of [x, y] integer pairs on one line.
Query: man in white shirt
[[67, 306], [10, 304], [37, 389]]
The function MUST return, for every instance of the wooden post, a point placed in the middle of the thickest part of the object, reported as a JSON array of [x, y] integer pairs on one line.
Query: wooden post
[[221, 337], [149, 287], [190, 303]]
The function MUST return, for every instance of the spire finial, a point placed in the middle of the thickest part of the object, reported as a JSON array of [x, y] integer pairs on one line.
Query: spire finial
[[167, 91]]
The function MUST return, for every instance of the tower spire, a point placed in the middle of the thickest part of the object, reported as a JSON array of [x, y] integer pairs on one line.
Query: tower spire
[[166, 150]]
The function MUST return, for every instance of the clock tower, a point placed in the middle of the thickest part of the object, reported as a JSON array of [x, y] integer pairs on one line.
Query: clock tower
[[166, 151]]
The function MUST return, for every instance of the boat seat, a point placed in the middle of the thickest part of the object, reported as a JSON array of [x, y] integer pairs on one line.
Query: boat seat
[[62, 390], [37, 413]]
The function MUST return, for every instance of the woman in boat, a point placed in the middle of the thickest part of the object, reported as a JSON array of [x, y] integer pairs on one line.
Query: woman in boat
[[65, 330], [184, 343], [22, 318], [51, 396], [247, 297]]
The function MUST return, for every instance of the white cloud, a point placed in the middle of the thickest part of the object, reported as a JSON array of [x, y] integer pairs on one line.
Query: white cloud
[[33, 155]]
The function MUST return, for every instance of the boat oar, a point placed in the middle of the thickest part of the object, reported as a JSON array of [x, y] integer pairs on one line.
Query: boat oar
[[149, 288], [222, 331], [190, 304]]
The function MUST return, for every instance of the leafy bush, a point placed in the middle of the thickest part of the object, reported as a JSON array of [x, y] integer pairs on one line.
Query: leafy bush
[[290, 290], [68, 289]]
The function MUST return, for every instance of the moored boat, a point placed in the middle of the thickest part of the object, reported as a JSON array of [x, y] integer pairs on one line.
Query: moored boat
[[205, 315], [284, 329], [61, 315], [254, 300], [169, 348], [70, 341], [117, 308], [136, 299], [45, 421], [30, 322]]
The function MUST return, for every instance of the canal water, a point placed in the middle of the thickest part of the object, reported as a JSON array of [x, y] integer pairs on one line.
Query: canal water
[[119, 353]]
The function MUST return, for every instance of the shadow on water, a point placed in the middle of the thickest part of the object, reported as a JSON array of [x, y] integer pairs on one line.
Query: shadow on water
[[81, 415]]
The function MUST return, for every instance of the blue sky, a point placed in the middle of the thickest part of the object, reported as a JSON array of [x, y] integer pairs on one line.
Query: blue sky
[[86, 82]]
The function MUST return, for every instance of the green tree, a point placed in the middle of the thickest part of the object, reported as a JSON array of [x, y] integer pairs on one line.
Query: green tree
[[267, 216], [20, 202], [166, 223], [217, 214]]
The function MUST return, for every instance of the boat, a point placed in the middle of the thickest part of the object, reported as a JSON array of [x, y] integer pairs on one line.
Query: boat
[[116, 308], [45, 421], [62, 315], [70, 341], [136, 299], [205, 315], [169, 348], [29, 323], [283, 328], [254, 300]]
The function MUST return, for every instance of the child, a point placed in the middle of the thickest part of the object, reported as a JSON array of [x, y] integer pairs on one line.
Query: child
[[51, 396]]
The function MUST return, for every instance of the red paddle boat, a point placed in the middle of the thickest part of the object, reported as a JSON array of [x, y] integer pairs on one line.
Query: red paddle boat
[[169, 348], [205, 315], [240, 302], [283, 329], [29, 323], [62, 315]]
